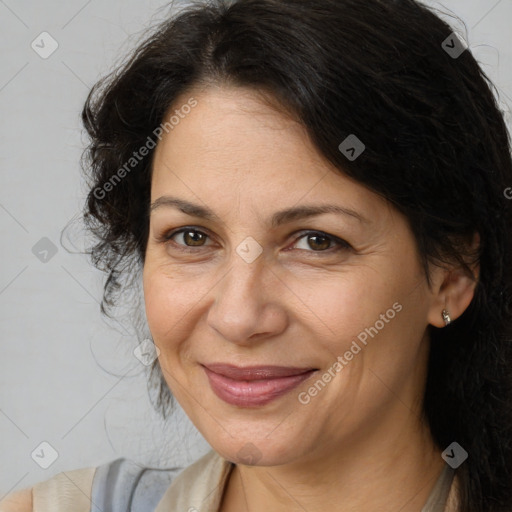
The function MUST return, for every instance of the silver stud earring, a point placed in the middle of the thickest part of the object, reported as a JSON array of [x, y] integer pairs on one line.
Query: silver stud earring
[[446, 317]]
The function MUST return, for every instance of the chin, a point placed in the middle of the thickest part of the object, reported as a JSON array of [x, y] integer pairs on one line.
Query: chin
[[251, 452]]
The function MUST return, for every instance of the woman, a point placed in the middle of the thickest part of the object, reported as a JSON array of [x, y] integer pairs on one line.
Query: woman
[[312, 193]]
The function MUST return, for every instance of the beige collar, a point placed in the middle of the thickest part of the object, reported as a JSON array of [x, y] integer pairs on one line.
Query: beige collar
[[443, 493], [199, 486]]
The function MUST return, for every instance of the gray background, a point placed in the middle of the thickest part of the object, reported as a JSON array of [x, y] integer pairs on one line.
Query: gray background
[[68, 377]]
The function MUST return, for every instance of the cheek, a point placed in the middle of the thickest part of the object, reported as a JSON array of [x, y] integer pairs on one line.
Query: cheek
[[337, 310], [168, 302], [343, 305], [383, 312], [171, 315], [176, 306]]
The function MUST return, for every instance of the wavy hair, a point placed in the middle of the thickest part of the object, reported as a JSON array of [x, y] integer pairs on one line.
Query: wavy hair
[[437, 148]]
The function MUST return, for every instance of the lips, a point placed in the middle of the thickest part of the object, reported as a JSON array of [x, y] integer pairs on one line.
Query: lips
[[255, 372], [254, 385]]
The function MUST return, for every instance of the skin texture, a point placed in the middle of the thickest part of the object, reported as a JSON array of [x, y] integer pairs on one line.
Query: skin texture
[[295, 305]]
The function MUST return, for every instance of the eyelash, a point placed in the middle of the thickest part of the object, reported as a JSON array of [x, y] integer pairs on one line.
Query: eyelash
[[342, 244]]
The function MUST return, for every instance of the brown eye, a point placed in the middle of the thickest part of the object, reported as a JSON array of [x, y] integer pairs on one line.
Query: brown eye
[[193, 238], [187, 237], [314, 241], [318, 242]]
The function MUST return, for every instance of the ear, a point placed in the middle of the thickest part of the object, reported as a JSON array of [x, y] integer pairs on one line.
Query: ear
[[453, 289]]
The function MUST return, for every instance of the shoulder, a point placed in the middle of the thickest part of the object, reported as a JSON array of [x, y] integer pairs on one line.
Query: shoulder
[[69, 490], [118, 485], [123, 485], [20, 501]]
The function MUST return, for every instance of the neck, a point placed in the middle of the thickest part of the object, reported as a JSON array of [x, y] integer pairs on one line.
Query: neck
[[388, 467]]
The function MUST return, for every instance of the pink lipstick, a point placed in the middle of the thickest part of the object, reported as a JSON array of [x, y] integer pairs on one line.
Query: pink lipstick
[[255, 385]]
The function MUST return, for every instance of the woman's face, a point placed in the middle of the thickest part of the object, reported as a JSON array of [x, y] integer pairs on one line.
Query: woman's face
[[263, 281]]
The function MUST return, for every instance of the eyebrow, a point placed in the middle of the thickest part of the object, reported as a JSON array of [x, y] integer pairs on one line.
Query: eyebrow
[[278, 218]]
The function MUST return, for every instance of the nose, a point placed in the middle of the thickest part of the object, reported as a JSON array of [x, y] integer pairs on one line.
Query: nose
[[246, 306]]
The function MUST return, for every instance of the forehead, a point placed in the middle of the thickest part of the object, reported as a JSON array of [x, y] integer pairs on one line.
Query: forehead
[[233, 129], [233, 146]]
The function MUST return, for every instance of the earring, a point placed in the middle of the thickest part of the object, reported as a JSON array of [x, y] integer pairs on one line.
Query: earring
[[446, 317]]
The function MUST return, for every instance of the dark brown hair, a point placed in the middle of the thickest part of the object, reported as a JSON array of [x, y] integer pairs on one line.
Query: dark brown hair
[[436, 145]]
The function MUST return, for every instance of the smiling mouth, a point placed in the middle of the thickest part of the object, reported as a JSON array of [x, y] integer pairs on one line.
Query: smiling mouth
[[254, 386]]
